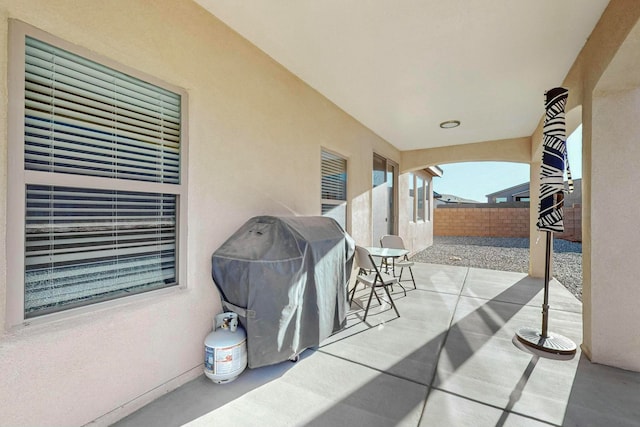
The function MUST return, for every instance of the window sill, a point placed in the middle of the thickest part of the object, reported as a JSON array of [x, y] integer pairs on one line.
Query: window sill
[[73, 316]]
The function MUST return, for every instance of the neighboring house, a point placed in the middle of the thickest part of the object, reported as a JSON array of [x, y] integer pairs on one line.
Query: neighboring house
[[446, 199], [517, 193], [520, 193]]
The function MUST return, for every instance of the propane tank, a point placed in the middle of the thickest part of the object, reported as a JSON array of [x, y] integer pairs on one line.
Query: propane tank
[[225, 349]]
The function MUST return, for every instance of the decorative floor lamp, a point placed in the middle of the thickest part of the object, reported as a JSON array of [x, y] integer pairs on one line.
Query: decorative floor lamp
[[550, 215]]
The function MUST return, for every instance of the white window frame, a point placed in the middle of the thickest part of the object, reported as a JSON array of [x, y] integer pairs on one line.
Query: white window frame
[[412, 195], [336, 202], [18, 178], [426, 196], [420, 189]]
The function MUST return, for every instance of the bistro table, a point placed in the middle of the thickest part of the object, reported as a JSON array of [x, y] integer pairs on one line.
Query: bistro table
[[386, 253]]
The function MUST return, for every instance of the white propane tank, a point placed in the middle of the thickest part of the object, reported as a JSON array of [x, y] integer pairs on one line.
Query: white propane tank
[[225, 349]]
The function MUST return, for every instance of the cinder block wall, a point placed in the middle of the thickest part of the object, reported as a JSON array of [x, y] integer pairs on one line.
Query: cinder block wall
[[497, 221], [572, 224]]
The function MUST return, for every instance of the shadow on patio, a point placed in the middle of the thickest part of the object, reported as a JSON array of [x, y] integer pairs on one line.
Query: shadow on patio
[[449, 360]]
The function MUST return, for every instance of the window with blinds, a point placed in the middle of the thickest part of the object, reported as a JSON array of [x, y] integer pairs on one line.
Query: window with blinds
[[102, 182], [334, 187]]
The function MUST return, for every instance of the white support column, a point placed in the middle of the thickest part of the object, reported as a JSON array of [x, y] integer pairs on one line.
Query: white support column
[[613, 288]]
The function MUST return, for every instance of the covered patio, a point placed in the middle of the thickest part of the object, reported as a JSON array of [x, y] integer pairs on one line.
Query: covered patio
[[370, 92], [450, 359]]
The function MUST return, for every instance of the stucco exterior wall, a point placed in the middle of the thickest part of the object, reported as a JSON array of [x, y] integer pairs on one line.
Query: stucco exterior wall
[[598, 80], [416, 235], [614, 292], [516, 150], [255, 138]]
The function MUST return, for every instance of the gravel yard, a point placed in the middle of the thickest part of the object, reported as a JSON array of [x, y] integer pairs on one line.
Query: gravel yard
[[506, 254]]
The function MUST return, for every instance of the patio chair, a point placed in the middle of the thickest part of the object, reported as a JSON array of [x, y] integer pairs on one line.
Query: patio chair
[[396, 242], [375, 279]]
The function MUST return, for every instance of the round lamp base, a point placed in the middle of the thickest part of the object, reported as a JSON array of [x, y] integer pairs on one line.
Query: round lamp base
[[552, 343]]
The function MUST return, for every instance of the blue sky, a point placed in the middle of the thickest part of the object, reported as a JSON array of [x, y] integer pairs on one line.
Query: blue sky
[[474, 180]]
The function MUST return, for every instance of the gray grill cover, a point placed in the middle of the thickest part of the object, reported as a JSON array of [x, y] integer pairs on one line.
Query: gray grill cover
[[286, 277]]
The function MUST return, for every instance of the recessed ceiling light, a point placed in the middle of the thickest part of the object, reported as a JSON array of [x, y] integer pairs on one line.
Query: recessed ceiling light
[[450, 124]]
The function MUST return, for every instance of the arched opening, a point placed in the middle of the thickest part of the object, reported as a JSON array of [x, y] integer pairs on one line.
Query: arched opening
[[482, 218], [469, 182]]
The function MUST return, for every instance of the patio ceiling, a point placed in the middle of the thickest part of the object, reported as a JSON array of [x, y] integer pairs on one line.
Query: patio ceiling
[[403, 67]]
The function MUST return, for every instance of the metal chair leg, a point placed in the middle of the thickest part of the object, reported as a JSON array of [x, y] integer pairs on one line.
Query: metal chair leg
[[366, 310], [391, 301], [400, 280], [376, 295], [413, 279]]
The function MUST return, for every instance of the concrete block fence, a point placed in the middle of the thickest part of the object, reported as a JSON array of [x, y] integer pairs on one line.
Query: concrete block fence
[[498, 220]]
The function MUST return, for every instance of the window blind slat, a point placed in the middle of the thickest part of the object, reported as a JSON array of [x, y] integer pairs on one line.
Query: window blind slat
[[90, 252], [117, 165], [90, 161], [44, 50], [69, 64], [109, 113], [61, 89], [37, 121], [40, 80], [72, 276], [41, 244], [106, 174], [43, 120], [39, 144], [85, 119]]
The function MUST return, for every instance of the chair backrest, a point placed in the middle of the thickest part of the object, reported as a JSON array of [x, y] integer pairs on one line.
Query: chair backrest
[[391, 241], [363, 259]]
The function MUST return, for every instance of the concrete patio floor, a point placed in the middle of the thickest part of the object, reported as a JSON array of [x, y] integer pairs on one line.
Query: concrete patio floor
[[450, 360]]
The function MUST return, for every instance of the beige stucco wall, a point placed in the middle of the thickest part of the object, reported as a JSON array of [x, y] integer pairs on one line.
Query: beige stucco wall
[[516, 150], [612, 154], [255, 137], [416, 235], [603, 81], [615, 293]]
